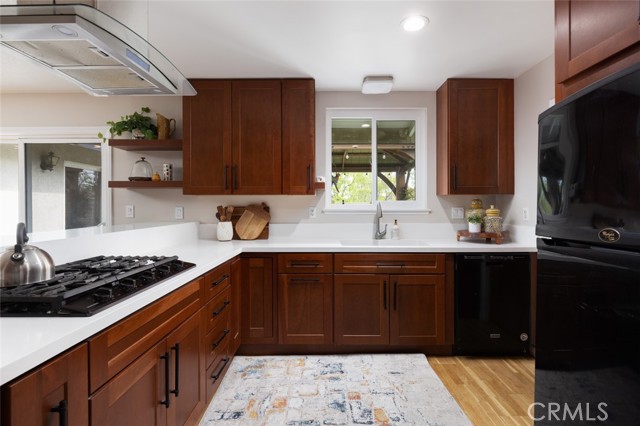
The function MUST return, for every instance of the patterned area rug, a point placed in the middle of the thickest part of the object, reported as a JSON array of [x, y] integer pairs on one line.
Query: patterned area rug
[[333, 390]]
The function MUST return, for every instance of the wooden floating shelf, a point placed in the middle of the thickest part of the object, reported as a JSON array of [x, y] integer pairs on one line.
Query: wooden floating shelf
[[145, 184], [487, 236], [147, 144]]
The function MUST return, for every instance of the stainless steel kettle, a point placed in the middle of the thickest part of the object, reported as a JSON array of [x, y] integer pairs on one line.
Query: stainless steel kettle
[[24, 264]]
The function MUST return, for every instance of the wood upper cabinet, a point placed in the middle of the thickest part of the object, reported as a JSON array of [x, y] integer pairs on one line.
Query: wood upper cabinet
[[207, 139], [593, 39], [56, 391], [298, 137], [258, 306], [257, 137], [475, 137]]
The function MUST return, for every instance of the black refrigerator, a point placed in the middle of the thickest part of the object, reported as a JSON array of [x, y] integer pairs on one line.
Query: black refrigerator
[[587, 349]]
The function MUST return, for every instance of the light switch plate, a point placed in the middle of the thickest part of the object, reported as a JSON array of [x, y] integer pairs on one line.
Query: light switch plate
[[129, 211], [179, 212], [457, 212]]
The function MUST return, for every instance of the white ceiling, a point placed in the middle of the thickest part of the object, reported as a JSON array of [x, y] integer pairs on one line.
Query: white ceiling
[[336, 42]]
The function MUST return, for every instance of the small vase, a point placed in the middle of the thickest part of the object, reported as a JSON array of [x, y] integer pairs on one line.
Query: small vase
[[475, 227], [225, 231], [124, 135]]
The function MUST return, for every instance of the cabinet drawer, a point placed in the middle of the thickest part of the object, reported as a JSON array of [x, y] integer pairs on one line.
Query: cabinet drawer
[[216, 280], [389, 263], [217, 340], [217, 369], [118, 346], [305, 263], [217, 308]]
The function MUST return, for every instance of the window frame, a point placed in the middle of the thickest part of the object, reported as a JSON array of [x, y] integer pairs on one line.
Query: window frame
[[377, 114]]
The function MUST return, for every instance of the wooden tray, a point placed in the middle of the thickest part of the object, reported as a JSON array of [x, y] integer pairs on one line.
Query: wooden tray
[[487, 236], [237, 213]]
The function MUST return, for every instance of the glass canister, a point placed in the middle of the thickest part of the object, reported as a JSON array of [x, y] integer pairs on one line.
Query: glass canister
[[141, 170]]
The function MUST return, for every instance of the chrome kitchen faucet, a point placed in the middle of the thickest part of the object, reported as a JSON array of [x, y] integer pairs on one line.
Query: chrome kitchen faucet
[[376, 224]]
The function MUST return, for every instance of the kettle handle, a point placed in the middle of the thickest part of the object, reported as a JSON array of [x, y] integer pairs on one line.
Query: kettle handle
[[21, 239]]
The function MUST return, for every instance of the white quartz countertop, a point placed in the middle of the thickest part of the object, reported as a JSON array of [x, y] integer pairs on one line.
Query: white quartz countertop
[[26, 343]]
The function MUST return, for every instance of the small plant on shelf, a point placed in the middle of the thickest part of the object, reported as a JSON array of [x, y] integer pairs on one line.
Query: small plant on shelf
[[137, 123], [475, 222]]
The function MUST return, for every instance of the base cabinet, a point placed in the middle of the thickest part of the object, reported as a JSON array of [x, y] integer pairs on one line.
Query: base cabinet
[[53, 394], [258, 306]]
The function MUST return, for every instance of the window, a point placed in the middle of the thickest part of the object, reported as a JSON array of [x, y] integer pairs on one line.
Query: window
[[53, 184], [376, 156]]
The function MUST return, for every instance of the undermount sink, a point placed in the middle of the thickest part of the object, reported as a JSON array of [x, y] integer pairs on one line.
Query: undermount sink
[[390, 243]]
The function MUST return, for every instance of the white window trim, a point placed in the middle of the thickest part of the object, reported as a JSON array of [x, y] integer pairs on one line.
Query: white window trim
[[417, 114], [47, 135]]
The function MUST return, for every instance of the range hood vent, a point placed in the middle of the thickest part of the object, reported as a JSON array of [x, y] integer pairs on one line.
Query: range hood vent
[[90, 49]]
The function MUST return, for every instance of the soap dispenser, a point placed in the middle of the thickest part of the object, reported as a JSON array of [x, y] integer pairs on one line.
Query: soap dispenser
[[395, 230]]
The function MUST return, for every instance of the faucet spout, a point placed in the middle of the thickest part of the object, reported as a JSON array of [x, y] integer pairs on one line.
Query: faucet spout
[[377, 234]]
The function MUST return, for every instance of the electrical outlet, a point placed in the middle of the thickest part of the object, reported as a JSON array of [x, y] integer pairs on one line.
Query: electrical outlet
[[457, 212], [525, 214], [179, 212], [312, 213], [129, 211]]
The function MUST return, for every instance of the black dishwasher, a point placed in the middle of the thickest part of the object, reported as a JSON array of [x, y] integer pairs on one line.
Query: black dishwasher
[[492, 300]]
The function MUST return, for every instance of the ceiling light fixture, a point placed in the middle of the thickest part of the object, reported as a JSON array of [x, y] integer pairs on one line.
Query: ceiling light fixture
[[375, 85], [414, 23]]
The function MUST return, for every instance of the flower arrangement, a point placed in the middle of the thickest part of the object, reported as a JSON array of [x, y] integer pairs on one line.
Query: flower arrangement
[[139, 124]]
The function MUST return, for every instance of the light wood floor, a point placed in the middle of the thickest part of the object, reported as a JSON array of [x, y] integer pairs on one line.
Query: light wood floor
[[491, 391]]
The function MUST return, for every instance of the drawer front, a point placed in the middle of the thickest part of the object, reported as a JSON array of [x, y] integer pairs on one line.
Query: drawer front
[[217, 308], [389, 263], [118, 346], [217, 340], [305, 263], [215, 281], [217, 369]]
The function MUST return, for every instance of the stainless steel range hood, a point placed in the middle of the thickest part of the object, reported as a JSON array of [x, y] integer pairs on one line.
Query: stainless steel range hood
[[91, 49]]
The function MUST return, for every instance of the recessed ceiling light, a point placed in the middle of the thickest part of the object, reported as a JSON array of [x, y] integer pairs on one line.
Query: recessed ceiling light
[[414, 23]]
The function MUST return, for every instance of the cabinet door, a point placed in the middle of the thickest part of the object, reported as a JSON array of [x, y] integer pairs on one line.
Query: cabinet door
[[306, 308], [257, 137], [298, 137], [207, 138], [236, 279], [361, 309], [187, 373], [258, 300], [417, 310], [475, 137], [593, 40], [136, 395], [40, 397]]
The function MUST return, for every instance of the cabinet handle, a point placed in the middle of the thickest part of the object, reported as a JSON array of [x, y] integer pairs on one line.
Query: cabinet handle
[[304, 265], [220, 281], [61, 409], [167, 359], [219, 311], [389, 265], [384, 295], [309, 177], [226, 177], [455, 176], [217, 342], [305, 280], [395, 296], [176, 381], [234, 177], [223, 363]]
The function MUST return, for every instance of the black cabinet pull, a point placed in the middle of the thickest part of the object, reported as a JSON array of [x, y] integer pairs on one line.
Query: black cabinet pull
[[226, 177], [309, 177], [305, 280], [455, 178], [223, 364], [395, 296], [167, 358], [389, 265], [61, 409], [220, 281], [217, 342], [384, 295], [176, 380], [219, 311], [304, 264]]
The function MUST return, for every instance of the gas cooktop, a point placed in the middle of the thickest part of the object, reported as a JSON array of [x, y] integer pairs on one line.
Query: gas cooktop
[[87, 286]]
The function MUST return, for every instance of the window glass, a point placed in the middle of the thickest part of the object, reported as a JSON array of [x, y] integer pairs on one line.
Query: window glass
[[376, 156]]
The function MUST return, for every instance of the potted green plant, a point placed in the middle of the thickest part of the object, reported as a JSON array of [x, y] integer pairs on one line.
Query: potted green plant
[[475, 222], [137, 123]]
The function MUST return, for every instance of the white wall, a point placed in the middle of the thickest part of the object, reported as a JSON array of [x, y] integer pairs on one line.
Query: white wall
[[532, 92]]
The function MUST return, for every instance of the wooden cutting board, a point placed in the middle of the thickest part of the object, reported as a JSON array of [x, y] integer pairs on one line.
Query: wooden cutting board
[[252, 222]]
